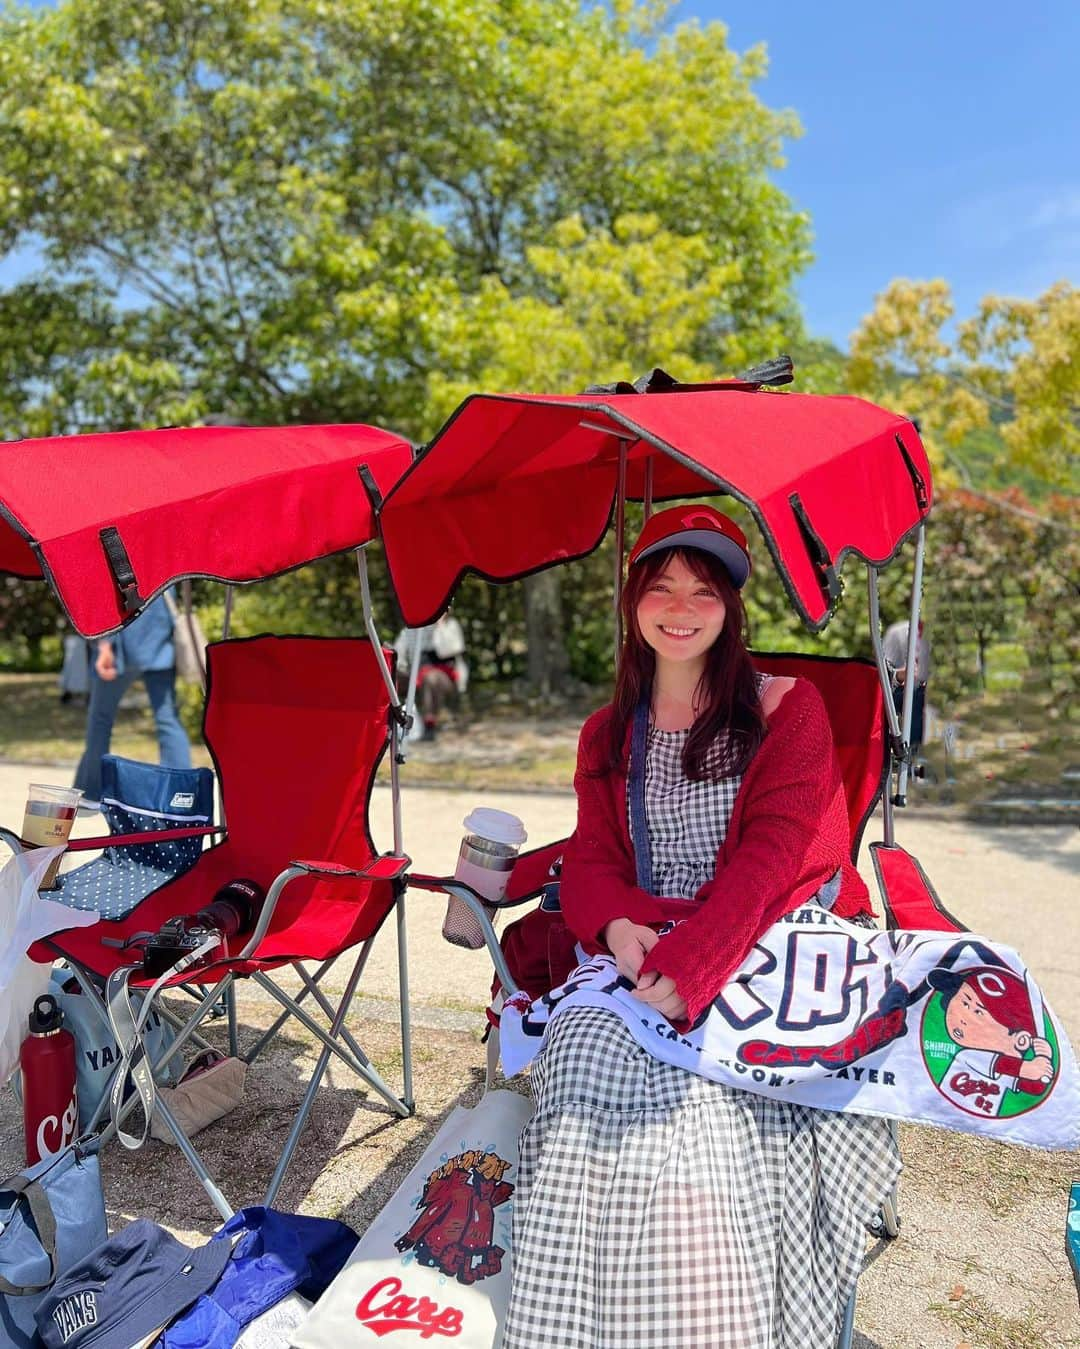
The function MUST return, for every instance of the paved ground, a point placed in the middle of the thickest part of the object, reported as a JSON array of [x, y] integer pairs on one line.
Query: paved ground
[[980, 1260]]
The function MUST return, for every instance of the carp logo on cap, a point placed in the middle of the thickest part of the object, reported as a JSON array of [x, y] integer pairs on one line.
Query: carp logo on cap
[[699, 527], [1001, 992]]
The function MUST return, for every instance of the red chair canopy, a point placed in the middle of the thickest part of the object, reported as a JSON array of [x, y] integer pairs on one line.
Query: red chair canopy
[[514, 483], [235, 503]]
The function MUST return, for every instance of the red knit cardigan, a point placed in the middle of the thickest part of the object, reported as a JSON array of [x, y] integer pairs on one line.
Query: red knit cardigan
[[787, 836]]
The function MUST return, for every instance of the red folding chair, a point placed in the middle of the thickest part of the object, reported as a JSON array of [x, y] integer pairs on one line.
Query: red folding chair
[[297, 727], [824, 477]]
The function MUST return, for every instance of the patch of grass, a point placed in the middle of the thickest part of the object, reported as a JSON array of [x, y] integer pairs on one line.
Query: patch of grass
[[36, 727], [389, 1064], [976, 1319], [1019, 738]]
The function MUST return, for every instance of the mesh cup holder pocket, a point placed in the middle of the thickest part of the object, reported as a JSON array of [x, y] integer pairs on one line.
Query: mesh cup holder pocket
[[461, 926]]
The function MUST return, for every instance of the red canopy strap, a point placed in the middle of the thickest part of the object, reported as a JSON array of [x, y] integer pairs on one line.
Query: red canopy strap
[[117, 840], [149, 836]]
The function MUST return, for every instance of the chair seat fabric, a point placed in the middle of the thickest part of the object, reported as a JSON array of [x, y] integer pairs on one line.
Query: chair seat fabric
[[140, 798]]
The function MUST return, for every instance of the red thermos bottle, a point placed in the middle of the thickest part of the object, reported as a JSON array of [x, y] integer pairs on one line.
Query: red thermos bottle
[[47, 1060]]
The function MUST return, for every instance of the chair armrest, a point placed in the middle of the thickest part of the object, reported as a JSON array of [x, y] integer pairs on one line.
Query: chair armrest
[[385, 867], [908, 897], [479, 907], [17, 844], [450, 885]]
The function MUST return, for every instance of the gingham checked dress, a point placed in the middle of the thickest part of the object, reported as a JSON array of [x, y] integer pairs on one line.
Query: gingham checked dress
[[658, 1210]]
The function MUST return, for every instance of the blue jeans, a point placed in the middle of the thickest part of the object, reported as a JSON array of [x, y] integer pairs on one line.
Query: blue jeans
[[105, 694], [918, 712]]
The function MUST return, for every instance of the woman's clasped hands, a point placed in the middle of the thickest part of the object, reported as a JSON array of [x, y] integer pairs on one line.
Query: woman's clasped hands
[[629, 944]]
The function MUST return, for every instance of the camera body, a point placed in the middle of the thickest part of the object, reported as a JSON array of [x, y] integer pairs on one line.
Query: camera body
[[172, 941], [234, 909]]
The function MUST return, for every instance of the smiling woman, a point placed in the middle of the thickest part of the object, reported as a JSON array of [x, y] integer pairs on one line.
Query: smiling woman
[[709, 805]]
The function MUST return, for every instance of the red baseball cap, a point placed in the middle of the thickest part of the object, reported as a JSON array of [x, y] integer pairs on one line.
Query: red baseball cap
[[1003, 993], [699, 527]]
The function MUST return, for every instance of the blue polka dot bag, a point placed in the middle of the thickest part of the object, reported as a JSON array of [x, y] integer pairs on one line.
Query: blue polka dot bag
[[140, 798]]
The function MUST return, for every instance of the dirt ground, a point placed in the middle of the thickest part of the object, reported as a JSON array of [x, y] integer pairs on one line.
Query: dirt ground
[[980, 1260]]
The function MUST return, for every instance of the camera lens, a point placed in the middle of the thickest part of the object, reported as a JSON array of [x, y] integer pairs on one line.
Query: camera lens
[[235, 907]]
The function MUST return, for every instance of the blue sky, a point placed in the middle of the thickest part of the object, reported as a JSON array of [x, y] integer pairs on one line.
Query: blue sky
[[940, 140]]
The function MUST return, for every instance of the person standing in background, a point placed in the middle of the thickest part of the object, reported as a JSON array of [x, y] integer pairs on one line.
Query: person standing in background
[[143, 650], [443, 674], [75, 674], [896, 653]]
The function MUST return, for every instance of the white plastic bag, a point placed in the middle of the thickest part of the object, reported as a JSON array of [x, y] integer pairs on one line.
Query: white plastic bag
[[26, 917]]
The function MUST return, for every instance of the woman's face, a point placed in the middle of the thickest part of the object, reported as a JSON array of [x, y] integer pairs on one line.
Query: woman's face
[[680, 615]]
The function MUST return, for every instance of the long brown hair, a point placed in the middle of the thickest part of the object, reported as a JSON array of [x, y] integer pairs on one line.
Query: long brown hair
[[731, 702]]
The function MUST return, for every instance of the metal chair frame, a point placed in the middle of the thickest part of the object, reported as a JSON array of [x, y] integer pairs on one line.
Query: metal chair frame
[[337, 1041]]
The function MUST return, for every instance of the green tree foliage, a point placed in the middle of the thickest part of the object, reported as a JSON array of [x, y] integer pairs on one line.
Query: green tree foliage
[[998, 403], [1001, 573], [29, 614], [1013, 369], [294, 210], [306, 209]]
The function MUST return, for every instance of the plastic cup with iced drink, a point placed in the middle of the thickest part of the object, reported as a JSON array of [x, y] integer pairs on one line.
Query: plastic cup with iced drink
[[47, 821], [488, 853]]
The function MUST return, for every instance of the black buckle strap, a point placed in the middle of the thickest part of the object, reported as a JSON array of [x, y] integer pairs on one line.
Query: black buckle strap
[[371, 487], [819, 554], [123, 572], [922, 496], [779, 370]]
